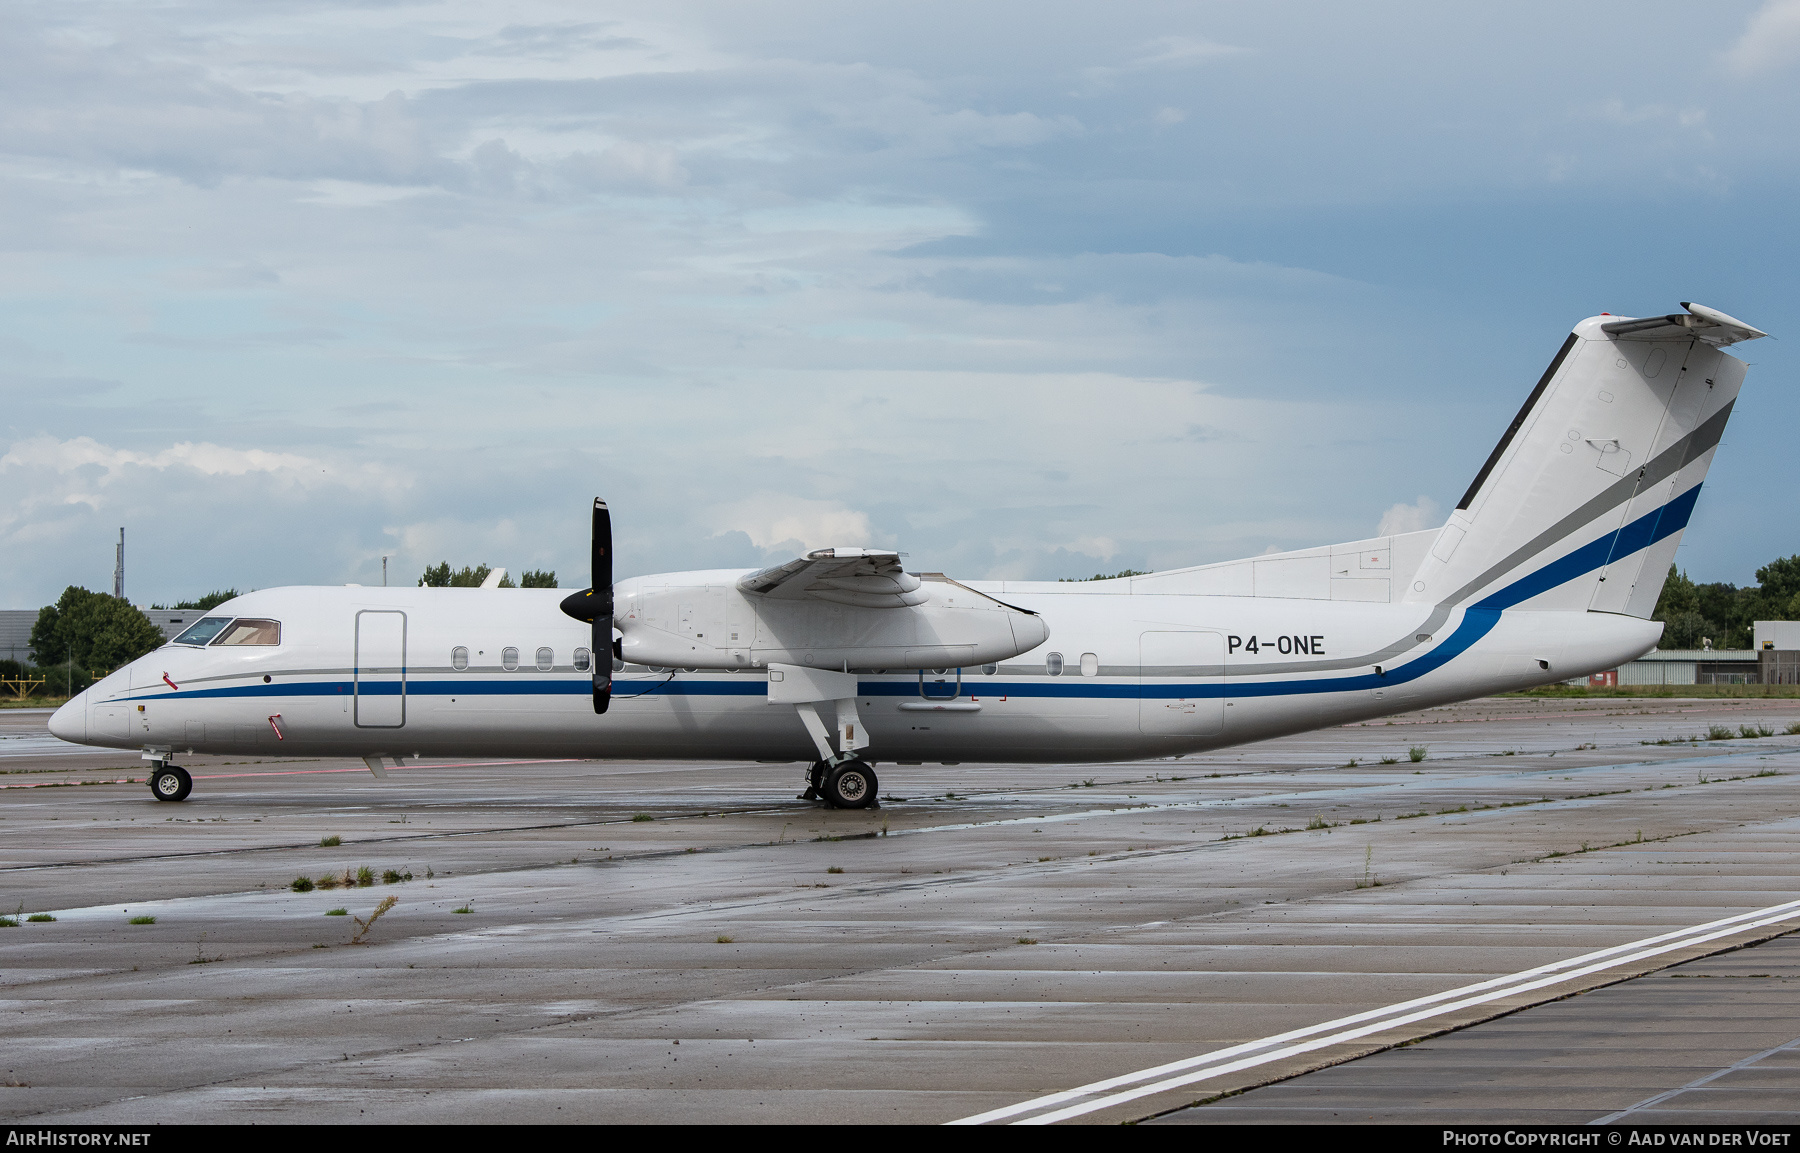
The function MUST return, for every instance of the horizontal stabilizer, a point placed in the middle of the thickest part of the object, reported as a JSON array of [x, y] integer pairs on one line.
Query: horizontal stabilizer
[[1699, 322]]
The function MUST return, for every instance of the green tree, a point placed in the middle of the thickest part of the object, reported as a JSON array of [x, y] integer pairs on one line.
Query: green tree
[[1105, 576], [1678, 596], [93, 631], [537, 579], [1724, 613], [440, 576], [1779, 582], [211, 600]]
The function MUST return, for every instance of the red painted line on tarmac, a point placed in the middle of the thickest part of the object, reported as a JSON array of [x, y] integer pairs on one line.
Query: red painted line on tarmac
[[66, 784], [454, 765], [295, 773]]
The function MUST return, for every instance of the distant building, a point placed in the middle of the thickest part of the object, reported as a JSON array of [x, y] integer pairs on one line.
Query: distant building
[[15, 634], [16, 624], [1778, 651], [173, 622], [1775, 660]]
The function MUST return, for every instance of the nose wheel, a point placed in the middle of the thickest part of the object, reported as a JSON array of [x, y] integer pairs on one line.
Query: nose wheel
[[169, 783], [851, 785], [848, 784]]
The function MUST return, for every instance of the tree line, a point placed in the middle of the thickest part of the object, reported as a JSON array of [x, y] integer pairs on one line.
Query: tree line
[[1725, 614], [82, 637], [440, 576], [85, 635]]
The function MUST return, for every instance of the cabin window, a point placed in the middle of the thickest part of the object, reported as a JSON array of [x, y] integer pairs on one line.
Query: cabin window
[[459, 658], [202, 630], [990, 670], [1053, 664], [582, 657], [250, 631], [1090, 665], [546, 660], [509, 659]]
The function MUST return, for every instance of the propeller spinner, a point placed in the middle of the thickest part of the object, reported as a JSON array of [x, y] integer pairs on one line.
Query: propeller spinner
[[595, 606]]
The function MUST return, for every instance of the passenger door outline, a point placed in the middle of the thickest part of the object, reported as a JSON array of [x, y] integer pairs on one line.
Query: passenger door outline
[[379, 661], [1195, 661]]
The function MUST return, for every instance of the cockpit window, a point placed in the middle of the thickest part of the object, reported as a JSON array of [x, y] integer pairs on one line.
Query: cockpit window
[[202, 630], [251, 631]]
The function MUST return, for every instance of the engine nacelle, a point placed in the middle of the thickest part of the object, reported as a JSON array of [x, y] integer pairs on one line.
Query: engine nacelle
[[911, 621]]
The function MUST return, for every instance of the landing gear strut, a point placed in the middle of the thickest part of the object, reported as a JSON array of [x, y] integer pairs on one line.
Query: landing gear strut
[[169, 783]]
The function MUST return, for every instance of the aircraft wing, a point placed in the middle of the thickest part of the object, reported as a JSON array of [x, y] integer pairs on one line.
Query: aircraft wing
[[865, 578]]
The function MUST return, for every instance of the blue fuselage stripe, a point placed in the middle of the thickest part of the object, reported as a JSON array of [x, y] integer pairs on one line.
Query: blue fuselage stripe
[[1477, 621]]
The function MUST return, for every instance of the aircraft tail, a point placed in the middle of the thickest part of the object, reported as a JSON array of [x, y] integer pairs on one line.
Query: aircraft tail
[[1582, 503]]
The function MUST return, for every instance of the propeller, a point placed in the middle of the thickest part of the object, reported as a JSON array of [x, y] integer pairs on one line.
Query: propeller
[[595, 606]]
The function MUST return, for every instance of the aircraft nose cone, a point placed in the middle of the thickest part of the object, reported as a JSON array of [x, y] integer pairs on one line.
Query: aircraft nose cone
[[69, 723]]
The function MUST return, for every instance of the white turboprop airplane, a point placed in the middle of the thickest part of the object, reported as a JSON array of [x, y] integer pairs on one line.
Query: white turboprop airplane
[[1548, 569]]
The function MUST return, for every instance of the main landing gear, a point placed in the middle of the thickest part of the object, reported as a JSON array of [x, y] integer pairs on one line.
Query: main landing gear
[[169, 783], [846, 783]]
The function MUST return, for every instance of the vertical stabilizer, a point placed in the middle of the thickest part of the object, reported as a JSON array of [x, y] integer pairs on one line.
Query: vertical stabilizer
[[1582, 503]]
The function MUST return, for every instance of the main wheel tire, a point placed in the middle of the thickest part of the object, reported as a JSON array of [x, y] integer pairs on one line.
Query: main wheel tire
[[171, 784], [852, 785]]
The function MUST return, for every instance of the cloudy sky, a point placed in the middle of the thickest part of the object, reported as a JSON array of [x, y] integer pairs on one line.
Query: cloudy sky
[[1025, 290]]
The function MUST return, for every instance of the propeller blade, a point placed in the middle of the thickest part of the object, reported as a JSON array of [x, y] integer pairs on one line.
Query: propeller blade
[[594, 606], [602, 572]]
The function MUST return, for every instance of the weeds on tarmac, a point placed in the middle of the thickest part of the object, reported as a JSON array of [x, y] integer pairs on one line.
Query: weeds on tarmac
[[362, 931]]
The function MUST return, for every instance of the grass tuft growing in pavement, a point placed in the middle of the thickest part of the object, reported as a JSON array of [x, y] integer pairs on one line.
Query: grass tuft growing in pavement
[[1416, 754], [387, 903], [330, 842], [143, 920], [301, 884]]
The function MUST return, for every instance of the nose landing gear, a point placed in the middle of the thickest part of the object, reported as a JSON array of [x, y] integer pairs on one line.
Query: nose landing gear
[[848, 783], [169, 783]]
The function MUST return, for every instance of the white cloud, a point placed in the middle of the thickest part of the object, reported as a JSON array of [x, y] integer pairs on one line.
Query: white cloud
[[1421, 514], [772, 519], [950, 297], [1103, 547], [1167, 50], [1770, 41], [48, 454]]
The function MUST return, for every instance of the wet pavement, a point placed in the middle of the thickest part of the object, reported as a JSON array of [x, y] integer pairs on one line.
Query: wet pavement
[[649, 942]]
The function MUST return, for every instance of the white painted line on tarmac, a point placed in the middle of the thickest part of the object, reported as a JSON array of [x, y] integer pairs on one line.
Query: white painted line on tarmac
[[1100, 1094], [1652, 1102]]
